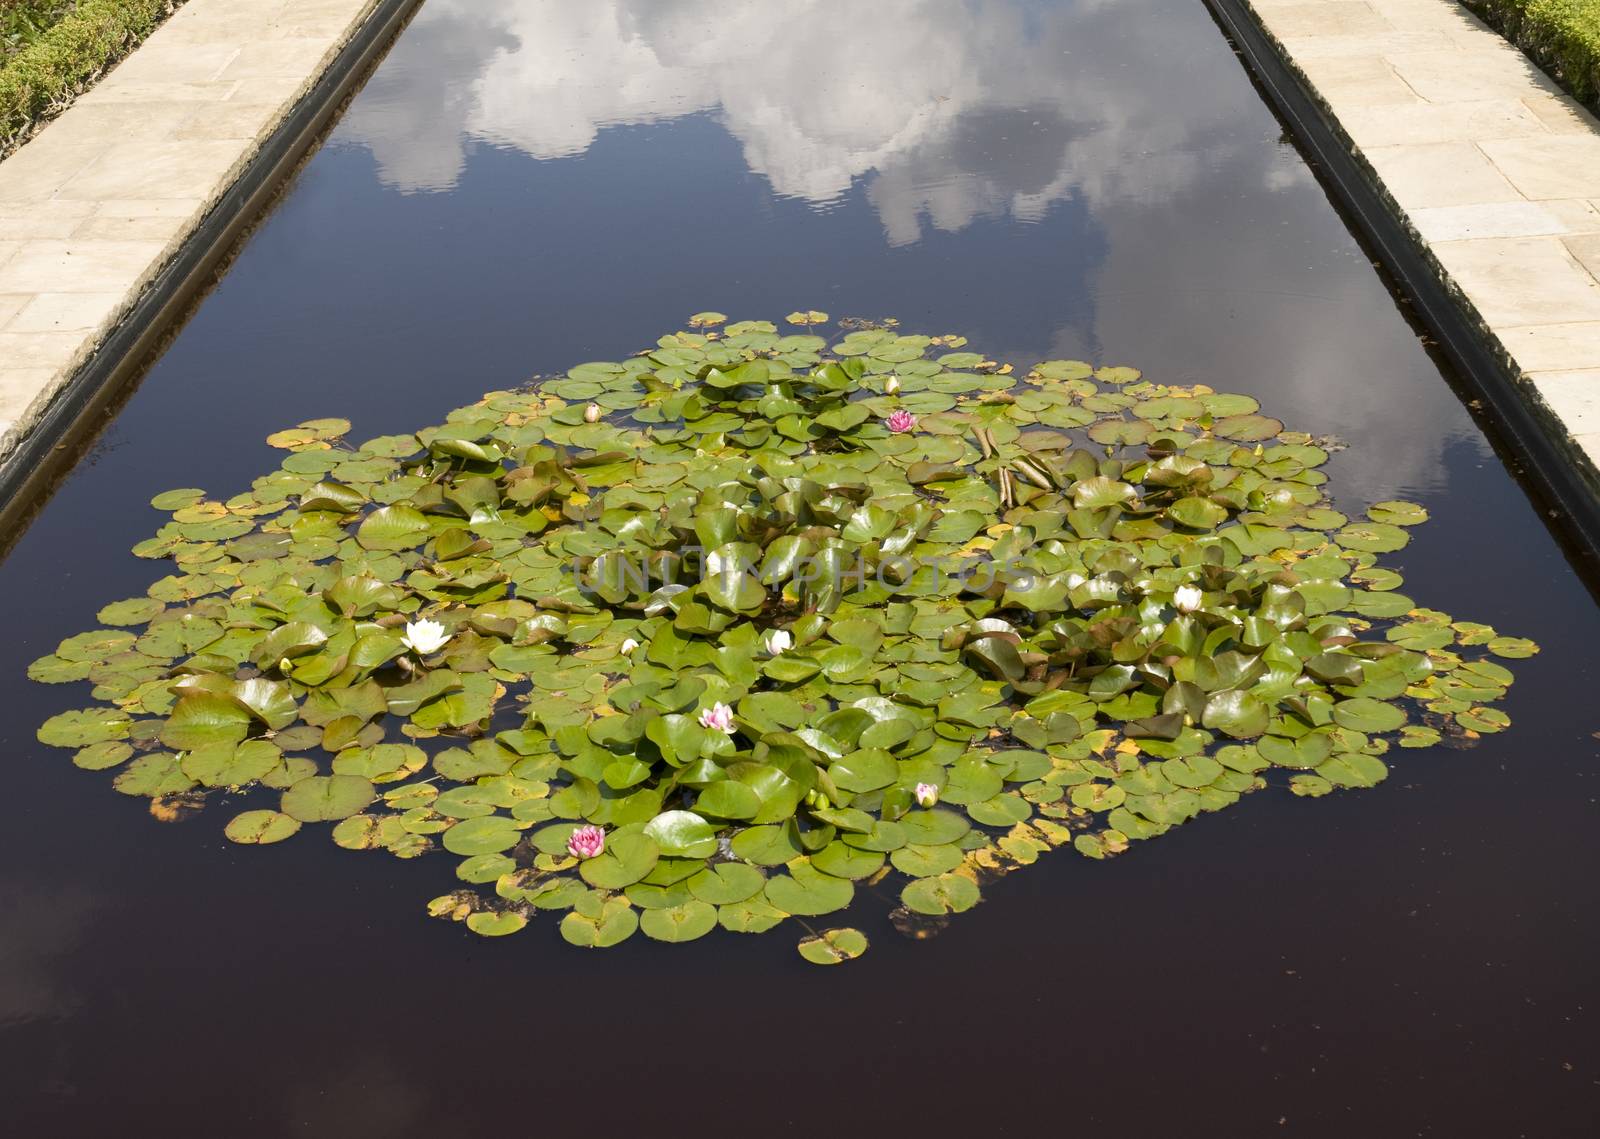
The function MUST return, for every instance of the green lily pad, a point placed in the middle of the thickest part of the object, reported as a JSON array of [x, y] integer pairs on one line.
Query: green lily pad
[[260, 827], [833, 946], [693, 919], [626, 859], [708, 600], [807, 892], [321, 798], [488, 834], [948, 893], [496, 924], [727, 883], [615, 923]]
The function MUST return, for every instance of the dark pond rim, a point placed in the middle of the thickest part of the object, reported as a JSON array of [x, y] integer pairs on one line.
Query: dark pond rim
[[1523, 440], [95, 393]]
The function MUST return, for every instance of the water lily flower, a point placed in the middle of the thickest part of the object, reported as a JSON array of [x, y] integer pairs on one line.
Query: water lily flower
[[628, 645], [891, 386], [591, 414], [778, 641], [902, 421], [718, 717], [1187, 598], [425, 637], [586, 842], [926, 795]]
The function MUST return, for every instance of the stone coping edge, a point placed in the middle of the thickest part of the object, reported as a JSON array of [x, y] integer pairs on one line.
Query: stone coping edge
[[1536, 446], [90, 397]]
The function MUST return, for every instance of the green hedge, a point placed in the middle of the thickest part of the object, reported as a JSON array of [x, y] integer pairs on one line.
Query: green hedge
[[65, 57], [1563, 36]]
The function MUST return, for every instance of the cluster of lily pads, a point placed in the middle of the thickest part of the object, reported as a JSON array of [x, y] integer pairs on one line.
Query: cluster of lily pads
[[728, 631]]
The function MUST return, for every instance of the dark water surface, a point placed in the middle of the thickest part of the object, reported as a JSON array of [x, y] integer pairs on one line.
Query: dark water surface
[[524, 186]]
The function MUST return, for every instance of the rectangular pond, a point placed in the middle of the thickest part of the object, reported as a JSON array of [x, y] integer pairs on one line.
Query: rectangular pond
[[525, 186]]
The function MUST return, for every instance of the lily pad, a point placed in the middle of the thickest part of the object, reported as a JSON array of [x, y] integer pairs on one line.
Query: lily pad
[[261, 827], [321, 798], [711, 634], [834, 946], [693, 919]]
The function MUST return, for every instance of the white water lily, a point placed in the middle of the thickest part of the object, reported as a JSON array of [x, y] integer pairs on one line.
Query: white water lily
[[1187, 598], [926, 795], [778, 641], [592, 413], [425, 637], [891, 386], [629, 645]]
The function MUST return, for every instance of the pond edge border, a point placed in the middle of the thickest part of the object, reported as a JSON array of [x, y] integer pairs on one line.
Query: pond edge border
[[1563, 482], [86, 402]]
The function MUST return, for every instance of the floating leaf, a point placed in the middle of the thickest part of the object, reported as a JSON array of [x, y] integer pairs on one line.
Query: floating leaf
[[83, 727], [948, 893], [706, 601], [321, 798], [834, 946], [686, 922], [682, 834], [626, 859], [496, 924], [808, 892], [614, 924], [260, 827]]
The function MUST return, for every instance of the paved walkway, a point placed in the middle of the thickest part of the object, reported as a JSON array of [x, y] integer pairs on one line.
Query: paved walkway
[[95, 204], [1495, 170]]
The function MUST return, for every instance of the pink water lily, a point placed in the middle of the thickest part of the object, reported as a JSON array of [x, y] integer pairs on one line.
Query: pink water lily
[[902, 421], [718, 717], [926, 795], [586, 842]]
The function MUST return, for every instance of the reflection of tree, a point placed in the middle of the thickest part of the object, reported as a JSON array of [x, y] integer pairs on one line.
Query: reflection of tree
[[365, 1097], [45, 924]]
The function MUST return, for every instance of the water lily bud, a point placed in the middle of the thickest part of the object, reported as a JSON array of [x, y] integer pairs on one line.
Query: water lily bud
[[425, 637], [926, 795], [1187, 598], [778, 641], [891, 386], [591, 414], [586, 842], [629, 645]]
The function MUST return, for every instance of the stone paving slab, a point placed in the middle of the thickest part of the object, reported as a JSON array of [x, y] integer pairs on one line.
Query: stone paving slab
[[1494, 170], [96, 204]]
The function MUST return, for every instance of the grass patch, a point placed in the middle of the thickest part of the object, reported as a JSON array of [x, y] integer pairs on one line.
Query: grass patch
[[52, 50], [1562, 36]]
